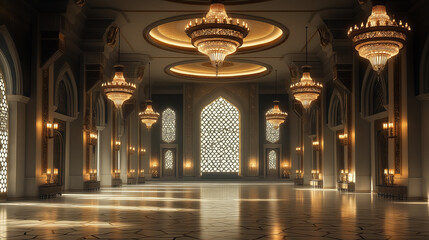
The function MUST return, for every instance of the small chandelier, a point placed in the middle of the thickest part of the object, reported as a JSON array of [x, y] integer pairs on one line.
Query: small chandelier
[[118, 90], [149, 117], [217, 35], [275, 116], [380, 38], [306, 90]]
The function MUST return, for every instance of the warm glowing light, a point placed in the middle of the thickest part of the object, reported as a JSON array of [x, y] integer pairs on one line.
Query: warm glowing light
[[316, 143], [217, 35], [275, 116], [148, 117], [48, 171], [118, 90], [249, 72], [55, 171], [306, 91], [380, 38]]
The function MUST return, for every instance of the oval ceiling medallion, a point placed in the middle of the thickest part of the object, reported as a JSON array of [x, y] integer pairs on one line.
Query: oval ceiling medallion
[[170, 34], [226, 2], [202, 70]]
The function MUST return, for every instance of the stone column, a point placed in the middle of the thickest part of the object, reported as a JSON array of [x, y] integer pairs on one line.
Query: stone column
[[16, 155]]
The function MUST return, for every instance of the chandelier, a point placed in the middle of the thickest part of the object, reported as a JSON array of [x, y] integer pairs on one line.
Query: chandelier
[[118, 90], [275, 116], [149, 117], [306, 90], [217, 35], [380, 38]]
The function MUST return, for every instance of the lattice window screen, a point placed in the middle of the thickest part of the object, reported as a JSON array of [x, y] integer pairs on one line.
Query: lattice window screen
[[272, 160], [168, 159], [3, 136], [168, 122], [220, 137], [272, 135]]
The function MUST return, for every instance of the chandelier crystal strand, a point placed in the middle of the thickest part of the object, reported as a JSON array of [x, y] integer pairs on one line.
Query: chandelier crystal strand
[[275, 116], [118, 90], [217, 35], [149, 117], [380, 38], [306, 90]]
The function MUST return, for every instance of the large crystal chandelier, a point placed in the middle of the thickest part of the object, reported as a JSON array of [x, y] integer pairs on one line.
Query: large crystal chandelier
[[306, 90], [217, 35], [118, 90], [380, 38], [275, 116], [149, 117]]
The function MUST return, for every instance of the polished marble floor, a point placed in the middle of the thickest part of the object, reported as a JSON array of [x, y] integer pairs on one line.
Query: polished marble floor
[[214, 210]]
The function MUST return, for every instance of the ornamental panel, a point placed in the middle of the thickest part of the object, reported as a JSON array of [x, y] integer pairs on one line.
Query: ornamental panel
[[220, 137], [3, 136], [168, 122]]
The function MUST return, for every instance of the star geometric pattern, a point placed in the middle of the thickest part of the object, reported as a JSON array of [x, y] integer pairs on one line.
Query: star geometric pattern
[[272, 160], [168, 122], [220, 137], [3, 136]]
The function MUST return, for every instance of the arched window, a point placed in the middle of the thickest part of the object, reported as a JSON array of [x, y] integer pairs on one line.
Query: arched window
[[168, 159], [220, 137], [3, 136], [168, 122], [272, 134], [272, 160]]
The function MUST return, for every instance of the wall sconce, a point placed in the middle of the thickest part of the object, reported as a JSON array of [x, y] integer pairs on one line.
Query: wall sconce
[[93, 137], [155, 172], [316, 145], [48, 176], [315, 174], [117, 145], [143, 151], [117, 173], [253, 165], [299, 174], [344, 139], [390, 128], [286, 173], [131, 150], [298, 150], [141, 174], [50, 129], [93, 174], [389, 175], [132, 173], [188, 164]]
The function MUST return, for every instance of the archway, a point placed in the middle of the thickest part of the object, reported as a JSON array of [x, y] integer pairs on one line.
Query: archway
[[220, 138]]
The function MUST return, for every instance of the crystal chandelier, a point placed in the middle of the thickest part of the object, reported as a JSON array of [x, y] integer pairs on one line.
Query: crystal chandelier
[[217, 35], [118, 90], [149, 117], [306, 90], [275, 116], [380, 38]]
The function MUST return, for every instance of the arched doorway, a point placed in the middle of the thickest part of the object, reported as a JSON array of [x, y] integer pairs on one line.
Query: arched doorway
[[220, 138]]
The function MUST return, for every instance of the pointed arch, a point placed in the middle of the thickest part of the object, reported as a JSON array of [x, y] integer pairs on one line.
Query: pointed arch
[[168, 125], [336, 114], [65, 92], [374, 95], [220, 137], [10, 63]]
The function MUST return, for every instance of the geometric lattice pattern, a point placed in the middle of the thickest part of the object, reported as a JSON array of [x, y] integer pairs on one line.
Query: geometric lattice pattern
[[3, 136], [168, 159], [272, 160], [168, 122], [272, 134], [220, 137]]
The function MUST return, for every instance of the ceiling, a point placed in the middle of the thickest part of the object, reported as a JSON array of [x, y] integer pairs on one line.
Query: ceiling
[[136, 17]]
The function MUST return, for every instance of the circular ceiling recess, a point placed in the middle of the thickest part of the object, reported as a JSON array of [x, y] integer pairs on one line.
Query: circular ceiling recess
[[170, 34], [226, 2], [202, 70]]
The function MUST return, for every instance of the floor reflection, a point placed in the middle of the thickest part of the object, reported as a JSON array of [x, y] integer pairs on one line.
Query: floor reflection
[[214, 210]]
